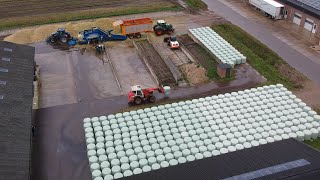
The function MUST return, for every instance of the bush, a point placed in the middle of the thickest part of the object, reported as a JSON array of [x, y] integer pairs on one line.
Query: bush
[[212, 73]]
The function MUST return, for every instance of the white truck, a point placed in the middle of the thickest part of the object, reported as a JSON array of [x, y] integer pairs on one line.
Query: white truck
[[269, 8]]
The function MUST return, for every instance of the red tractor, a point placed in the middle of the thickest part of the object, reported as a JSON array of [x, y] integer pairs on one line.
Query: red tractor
[[137, 95]]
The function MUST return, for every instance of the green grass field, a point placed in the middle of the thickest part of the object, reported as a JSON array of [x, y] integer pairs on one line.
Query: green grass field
[[263, 59], [23, 21]]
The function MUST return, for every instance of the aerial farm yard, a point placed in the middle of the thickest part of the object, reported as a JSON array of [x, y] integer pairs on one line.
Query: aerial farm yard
[[85, 85], [78, 78]]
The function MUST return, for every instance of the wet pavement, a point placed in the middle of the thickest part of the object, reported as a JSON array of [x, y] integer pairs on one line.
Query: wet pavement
[[261, 32], [59, 146], [129, 67], [81, 75]]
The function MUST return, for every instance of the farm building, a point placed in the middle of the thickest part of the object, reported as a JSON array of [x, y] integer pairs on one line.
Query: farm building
[[269, 161], [16, 95], [305, 13]]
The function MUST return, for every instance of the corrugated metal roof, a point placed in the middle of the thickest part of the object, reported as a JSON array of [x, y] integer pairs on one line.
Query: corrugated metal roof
[[312, 3], [305, 6], [245, 161], [16, 91]]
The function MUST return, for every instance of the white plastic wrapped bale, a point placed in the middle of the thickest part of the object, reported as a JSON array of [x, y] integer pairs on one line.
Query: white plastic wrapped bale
[[139, 141], [219, 47]]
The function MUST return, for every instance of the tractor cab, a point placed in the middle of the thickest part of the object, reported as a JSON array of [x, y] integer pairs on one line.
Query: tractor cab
[[61, 30], [164, 24], [161, 22], [137, 91]]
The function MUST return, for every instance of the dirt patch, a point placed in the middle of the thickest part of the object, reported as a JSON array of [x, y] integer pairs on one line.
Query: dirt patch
[[198, 52], [37, 34], [155, 63], [310, 94], [195, 74], [296, 77]]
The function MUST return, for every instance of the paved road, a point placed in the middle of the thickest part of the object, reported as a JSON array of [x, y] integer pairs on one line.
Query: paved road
[[293, 57]]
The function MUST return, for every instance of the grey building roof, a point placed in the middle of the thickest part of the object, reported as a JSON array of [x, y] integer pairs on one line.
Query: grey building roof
[[311, 7], [286, 159], [16, 94]]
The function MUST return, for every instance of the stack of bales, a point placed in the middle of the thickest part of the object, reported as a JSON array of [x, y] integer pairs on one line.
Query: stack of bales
[[139, 141], [219, 47]]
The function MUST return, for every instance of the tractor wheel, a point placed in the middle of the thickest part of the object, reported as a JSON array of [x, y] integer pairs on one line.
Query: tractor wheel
[[152, 99], [130, 36], [138, 35], [159, 31], [137, 100], [63, 39], [52, 40], [166, 39]]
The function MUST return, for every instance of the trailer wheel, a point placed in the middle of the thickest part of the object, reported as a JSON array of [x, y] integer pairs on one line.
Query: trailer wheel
[[130, 36], [138, 35], [137, 100]]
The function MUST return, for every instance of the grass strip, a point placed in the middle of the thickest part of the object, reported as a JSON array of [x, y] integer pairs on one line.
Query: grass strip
[[262, 58], [197, 4]]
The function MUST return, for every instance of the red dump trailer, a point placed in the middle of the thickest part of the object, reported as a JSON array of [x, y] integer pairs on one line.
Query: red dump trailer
[[134, 28]]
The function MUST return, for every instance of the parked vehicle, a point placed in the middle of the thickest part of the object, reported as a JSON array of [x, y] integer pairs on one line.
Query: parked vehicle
[[269, 8], [133, 28], [162, 27], [61, 36], [172, 42]]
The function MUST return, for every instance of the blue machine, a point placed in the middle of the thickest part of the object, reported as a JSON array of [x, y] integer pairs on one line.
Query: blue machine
[[97, 35]]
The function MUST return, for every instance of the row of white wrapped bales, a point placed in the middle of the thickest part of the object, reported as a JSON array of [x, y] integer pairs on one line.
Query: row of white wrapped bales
[[139, 141], [219, 47]]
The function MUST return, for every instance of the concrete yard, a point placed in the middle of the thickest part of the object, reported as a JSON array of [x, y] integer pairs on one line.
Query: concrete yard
[[129, 67], [69, 76], [82, 76]]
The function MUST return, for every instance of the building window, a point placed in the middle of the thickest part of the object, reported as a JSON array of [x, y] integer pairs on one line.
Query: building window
[[5, 59], [3, 82], [297, 16], [308, 21], [7, 49], [3, 70]]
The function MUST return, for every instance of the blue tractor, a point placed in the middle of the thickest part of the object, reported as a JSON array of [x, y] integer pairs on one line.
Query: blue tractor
[[61, 37], [97, 35]]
